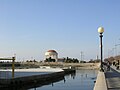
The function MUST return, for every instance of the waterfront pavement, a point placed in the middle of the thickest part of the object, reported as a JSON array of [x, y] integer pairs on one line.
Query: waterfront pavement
[[113, 78]]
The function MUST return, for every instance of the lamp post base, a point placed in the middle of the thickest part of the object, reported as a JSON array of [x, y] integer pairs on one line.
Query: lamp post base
[[101, 69]]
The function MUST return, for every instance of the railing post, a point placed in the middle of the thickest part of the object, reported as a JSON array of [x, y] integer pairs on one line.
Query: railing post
[[13, 66]]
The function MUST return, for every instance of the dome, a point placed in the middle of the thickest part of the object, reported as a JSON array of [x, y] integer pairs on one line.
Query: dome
[[51, 53]]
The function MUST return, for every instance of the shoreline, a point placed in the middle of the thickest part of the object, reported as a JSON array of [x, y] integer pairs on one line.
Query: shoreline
[[47, 65], [72, 65]]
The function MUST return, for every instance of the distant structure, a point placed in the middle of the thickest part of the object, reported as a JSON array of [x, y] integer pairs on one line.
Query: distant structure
[[51, 54]]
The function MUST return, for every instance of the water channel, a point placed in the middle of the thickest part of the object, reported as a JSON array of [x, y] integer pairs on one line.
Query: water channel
[[81, 80]]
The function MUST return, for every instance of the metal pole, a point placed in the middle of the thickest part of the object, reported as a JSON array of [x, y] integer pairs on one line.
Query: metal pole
[[116, 49], [81, 55], [101, 67], [13, 66]]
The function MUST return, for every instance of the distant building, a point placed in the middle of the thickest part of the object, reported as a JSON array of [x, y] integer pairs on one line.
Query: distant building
[[51, 54]]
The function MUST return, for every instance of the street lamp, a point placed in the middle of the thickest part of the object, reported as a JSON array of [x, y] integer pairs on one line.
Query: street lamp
[[101, 30]]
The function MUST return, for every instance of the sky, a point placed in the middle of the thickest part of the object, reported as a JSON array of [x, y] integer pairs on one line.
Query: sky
[[29, 28]]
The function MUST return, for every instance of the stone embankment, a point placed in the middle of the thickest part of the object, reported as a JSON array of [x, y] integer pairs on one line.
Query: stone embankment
[[100, 82]]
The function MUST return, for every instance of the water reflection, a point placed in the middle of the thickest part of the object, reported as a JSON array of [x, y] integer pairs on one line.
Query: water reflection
[[81, 80], [53, 83]]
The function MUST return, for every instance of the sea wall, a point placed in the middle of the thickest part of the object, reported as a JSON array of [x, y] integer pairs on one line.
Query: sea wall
[[34, 80], [100, 82]]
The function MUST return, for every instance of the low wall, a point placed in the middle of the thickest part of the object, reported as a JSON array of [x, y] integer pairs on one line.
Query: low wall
[[100, 82]]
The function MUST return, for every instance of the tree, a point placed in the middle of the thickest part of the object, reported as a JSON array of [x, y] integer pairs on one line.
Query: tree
[[70, 60], [76, 61], [49, 60]]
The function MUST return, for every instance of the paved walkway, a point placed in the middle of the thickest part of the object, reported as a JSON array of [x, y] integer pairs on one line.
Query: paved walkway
[[113, 78]]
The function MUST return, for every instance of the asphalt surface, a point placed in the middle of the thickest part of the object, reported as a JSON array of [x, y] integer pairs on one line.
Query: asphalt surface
[[112, 78]]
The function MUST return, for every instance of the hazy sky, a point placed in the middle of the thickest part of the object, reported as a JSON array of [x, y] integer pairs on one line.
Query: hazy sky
[[28, 28]]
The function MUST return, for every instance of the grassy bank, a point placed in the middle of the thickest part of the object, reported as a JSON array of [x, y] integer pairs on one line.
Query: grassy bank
[[65, 65]]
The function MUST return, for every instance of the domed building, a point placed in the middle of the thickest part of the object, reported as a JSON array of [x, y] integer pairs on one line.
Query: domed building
[[51, 53]]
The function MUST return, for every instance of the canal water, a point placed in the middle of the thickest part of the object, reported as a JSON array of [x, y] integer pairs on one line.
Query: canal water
[[81, 80]]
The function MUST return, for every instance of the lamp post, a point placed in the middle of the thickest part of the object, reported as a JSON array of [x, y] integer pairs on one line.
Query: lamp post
[[100, 31]]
